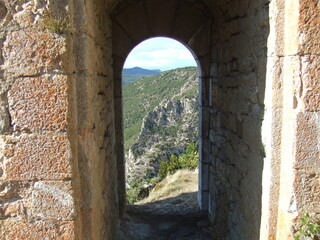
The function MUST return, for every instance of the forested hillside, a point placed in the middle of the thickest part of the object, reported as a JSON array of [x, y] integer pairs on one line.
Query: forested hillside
[[144, 95]]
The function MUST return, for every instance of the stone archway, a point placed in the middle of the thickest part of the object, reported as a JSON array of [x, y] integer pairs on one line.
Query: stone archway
[[59, 99], [179, 20]]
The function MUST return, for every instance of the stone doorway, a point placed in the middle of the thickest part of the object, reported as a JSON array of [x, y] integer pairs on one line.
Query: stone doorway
[[129, 31], [161, 122], [60, 109]]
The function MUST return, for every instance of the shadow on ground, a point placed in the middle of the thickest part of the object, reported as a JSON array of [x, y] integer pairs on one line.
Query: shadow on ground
[[176, 218]]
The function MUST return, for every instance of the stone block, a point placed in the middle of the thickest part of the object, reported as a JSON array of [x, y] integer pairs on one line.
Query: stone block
[[39, 103], [32, 51], [4, 115], [272, 96], [19, 230], [228, 121], [307, 190], [310, 88], [307, 142], [309, 27], [15, 199], [237, 47], [24, 18], [52, 201], [31, 157]]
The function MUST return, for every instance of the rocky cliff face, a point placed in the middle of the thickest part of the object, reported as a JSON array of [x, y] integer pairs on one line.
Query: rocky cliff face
[[166, 130]]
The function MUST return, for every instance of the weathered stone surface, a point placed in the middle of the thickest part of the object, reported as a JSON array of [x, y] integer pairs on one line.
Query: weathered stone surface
[[15, 199], [3, 11], [310, 86], [307, 143], [309, 27], [307, 190], [52, 201], [31, 157], [39, 103], [32, 51], [4, 115], [19, 230]]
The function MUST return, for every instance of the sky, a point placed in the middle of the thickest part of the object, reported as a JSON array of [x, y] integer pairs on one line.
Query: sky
[[160, 53]]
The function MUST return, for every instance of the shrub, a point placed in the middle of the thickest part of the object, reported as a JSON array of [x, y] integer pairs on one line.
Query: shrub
[[133, 193], [189, 160], [55, 24], [309, 229]]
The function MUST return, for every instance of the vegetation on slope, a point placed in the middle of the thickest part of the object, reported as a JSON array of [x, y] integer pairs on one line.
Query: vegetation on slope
[[187, 160], [181, 186], [143, 95], [139, 187]]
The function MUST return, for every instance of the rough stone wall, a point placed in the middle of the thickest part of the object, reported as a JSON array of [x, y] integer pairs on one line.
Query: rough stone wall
[[58, 174], [239, 53], [93, 130], [260, 70], [36, 193], [292, 161]]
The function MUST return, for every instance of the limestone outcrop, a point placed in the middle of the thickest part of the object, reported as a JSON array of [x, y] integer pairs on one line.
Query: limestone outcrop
[[166, 130]]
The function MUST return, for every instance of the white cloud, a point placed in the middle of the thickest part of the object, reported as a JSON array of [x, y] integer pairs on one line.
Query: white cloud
[[168, 53], [163, 53]]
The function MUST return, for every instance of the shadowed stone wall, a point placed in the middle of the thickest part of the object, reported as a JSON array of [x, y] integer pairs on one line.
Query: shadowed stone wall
[[61, 152], [239, 55]]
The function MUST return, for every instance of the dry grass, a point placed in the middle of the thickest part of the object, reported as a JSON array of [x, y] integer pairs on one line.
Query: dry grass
[[174, 187]]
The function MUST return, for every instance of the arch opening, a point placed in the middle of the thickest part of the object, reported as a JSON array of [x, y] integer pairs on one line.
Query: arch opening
[[160, 122], [123, 151], [231, 90]]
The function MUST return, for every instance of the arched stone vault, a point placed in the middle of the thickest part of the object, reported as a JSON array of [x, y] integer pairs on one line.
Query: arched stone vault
[[191, 25]]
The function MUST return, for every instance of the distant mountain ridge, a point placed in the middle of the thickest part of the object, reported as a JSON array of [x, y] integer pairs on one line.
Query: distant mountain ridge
[[130, 75], [141, 71]]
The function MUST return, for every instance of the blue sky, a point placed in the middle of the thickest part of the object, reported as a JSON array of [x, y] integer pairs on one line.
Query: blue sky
[[160, 53]]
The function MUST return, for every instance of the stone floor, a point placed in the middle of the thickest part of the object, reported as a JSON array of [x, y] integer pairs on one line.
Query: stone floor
[[163, 221]]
